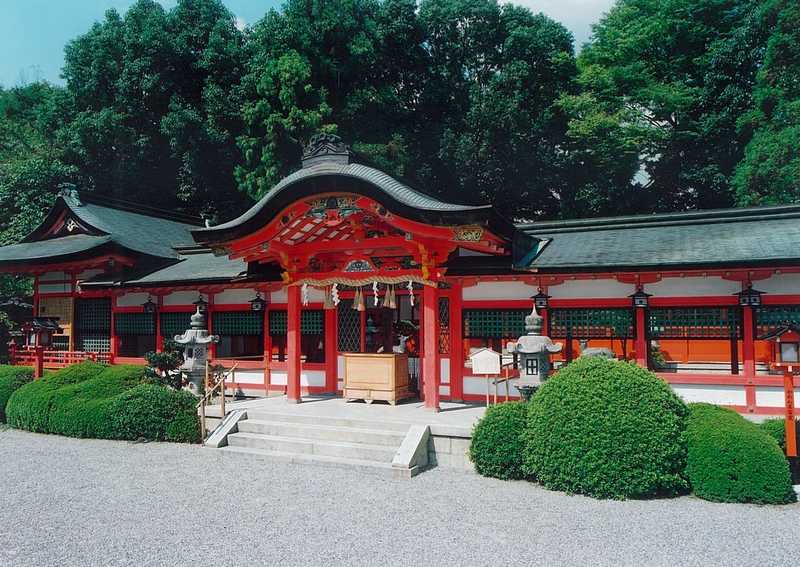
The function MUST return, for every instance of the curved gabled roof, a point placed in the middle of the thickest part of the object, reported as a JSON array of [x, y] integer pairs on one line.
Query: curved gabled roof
[[327, 167]]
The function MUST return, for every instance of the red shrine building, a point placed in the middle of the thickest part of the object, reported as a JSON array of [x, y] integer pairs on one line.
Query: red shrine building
[[341, 258]]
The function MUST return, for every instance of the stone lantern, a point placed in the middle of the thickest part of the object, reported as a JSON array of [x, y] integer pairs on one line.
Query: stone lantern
[[533, 351], [195, 342]]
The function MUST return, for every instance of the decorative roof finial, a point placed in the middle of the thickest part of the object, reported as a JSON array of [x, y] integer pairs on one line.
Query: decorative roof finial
[[325, 148], [69, 191], [534, 323]]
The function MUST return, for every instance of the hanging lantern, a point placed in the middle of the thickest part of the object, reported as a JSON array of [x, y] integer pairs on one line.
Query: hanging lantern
[[258, 303], [149, 306]]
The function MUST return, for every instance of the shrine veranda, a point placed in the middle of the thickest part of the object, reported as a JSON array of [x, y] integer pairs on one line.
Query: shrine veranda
[[710, 300]]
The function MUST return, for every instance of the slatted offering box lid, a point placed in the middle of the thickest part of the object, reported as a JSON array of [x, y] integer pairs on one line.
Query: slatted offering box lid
[[485, 361]]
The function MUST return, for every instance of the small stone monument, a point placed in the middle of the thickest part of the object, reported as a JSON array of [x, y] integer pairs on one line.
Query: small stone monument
[[599, 352], [195, 342], [534, 352]]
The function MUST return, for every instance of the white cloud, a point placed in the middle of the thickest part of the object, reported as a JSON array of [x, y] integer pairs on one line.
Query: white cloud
[[240, 23], [576, 15]]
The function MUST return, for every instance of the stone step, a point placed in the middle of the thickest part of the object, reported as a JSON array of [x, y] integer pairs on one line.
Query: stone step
[[355, 423], [304, 458], [340, 449], [323, 432]]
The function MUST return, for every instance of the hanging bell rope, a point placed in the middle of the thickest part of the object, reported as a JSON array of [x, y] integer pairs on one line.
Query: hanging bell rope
[[357, 282]]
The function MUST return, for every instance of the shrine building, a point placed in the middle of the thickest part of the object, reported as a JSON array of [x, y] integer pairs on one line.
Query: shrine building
[[341, 258]]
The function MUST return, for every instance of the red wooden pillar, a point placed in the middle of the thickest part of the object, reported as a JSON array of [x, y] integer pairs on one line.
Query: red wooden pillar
[[293, 345], [209, 315], [114, 343], [749, 355], [157, 315], [38, 363], [363, 332], [430, 349], [456, 344], [331, 352], [641, 336]]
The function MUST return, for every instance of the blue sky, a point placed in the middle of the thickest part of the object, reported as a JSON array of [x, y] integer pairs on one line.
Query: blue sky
[[33, 32]]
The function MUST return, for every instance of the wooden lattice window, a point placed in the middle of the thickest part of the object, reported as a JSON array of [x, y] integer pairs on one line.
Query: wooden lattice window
[[494, 323], [444, 325], [312, 335], [136, 333], [93, 325], [174, 323], [694, 323], [241, 333], [587, 323], [349, 327], [771, 318]]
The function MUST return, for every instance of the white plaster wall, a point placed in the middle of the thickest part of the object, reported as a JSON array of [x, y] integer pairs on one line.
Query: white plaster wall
[[231, 296], [783, 284], [772, 397], [340, 368], [713, 394], [50, 276], [181, 298], [444, 370], [132, 299], [476, 385], [498, 290], [588, 289], [280, 296], [693, 287], [307, 377], [249, 377], [55, 288], [444, 390], [86, 274]]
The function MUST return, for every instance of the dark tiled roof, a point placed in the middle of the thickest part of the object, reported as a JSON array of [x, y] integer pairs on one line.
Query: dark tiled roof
[[52, 249], [701, 238], [190, 267]]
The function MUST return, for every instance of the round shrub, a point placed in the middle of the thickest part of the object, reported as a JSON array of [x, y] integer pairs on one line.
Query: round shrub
[[12, 378], [497, 443], [776, 429], [606, 429], [185, 428], [146, 412], [733, 460]]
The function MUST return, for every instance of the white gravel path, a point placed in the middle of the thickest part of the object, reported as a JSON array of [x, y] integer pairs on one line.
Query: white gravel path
[[68, 502]]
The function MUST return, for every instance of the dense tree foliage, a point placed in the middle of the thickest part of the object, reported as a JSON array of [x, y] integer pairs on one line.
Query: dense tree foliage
[[673, 104]]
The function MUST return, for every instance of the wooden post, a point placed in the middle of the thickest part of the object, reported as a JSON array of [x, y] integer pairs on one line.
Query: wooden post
[[749, 356], [456, 344], [331, 351], [12, 352], [641, 337], [38, 365], [293, 345], [430, 349], [791, 428]]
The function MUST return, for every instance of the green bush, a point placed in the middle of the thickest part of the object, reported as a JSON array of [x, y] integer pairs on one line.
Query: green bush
[[606, 429], [733, 460], [776, 429], [497, 443], [11, 379], [30, 406], [149, 411], [104, 402]]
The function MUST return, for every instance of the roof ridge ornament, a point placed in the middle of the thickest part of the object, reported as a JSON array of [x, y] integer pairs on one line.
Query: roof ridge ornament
[[69, 191], [325, 147]]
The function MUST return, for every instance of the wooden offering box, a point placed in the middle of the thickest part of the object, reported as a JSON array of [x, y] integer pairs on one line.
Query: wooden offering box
[[371, 377]]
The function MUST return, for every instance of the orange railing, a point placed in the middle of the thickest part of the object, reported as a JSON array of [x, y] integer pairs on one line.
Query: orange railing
[[57, 358]]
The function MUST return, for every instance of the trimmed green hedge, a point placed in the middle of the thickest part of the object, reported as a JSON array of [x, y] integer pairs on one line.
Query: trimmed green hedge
[[11, 379], [732, 460], [497, 443], [775, 428], [607, 429], [104, 402]]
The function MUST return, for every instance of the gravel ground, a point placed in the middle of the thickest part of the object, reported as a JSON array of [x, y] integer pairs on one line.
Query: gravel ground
[[84, 502]]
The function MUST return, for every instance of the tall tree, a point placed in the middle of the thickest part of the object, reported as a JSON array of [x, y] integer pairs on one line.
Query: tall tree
[[770, 171], [156, 98], [664, 82]]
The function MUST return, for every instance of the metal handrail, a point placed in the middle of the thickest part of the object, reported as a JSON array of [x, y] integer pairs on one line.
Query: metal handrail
[[219, 384]]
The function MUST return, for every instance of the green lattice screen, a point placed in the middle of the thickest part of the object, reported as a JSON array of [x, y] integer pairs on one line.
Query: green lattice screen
[[694, 323], [494, 323], [584, 323], [135, 324], [311, 322], [93, 343], [349, 327], [93, 315], [230, 323], [444, 325], [175, 323], [771, 318]]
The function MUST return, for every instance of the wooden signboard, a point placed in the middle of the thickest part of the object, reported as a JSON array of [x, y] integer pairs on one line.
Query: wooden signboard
[[486, 362]]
